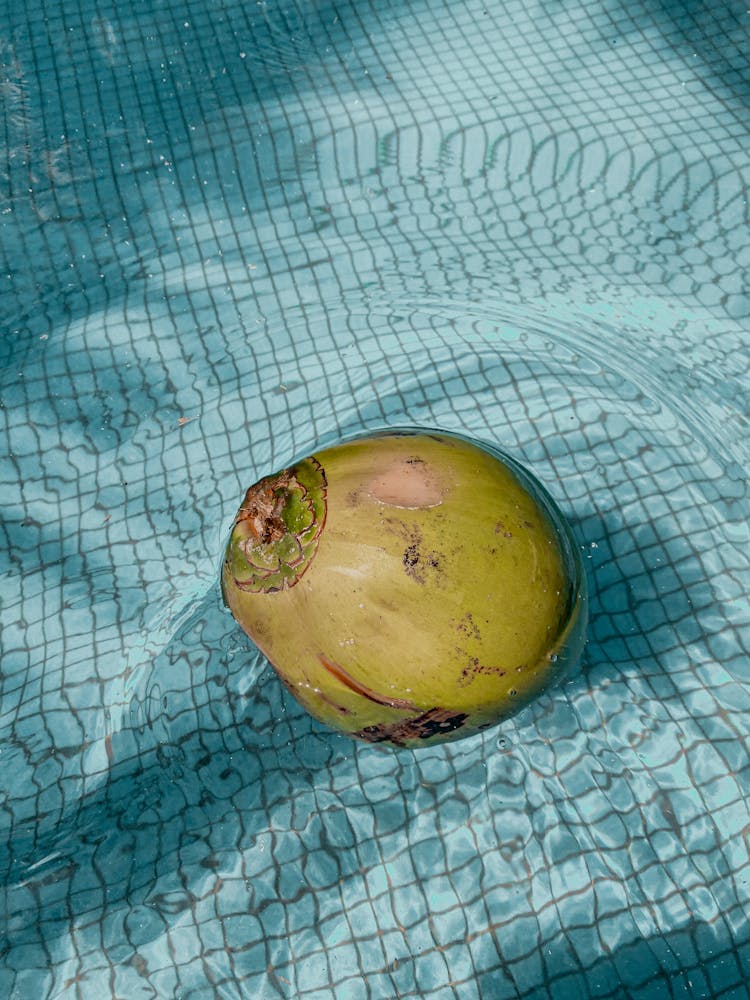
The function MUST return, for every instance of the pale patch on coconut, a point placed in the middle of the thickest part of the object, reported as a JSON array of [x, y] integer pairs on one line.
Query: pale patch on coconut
[[408, 483]]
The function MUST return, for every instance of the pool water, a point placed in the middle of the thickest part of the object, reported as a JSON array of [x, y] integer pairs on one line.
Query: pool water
[[231, 232]]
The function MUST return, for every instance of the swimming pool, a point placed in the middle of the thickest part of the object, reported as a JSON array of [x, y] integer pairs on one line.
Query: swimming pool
[[232, 232]]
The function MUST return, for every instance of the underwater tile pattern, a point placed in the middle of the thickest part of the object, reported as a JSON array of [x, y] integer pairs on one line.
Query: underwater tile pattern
[[231, 232]]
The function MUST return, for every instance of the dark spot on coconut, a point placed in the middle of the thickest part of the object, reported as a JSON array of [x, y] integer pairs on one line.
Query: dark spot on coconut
[[468, 626], [529, 524], [415, 460], [434, 722], [499, 526], [411, 556], [474, 667], [353, 499], [289, 685], [437, 721], [376, 734], [417, 563], [410, 560]]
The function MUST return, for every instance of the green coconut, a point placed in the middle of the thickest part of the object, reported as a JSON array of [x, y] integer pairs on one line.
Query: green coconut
[[408, 587]]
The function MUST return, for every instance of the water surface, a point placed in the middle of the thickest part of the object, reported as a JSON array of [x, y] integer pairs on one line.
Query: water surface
[[232, 232]]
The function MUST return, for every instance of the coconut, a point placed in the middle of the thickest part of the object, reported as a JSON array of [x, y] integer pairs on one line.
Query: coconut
[[408, 587]]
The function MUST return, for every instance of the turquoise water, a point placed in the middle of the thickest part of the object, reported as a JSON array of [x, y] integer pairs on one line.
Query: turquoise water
[[232, 232]]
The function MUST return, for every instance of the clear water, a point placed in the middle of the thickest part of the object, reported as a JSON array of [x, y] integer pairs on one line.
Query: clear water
[[230, 232]]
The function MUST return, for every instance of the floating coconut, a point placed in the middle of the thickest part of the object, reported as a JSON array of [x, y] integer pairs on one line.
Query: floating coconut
[[408, 587]]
